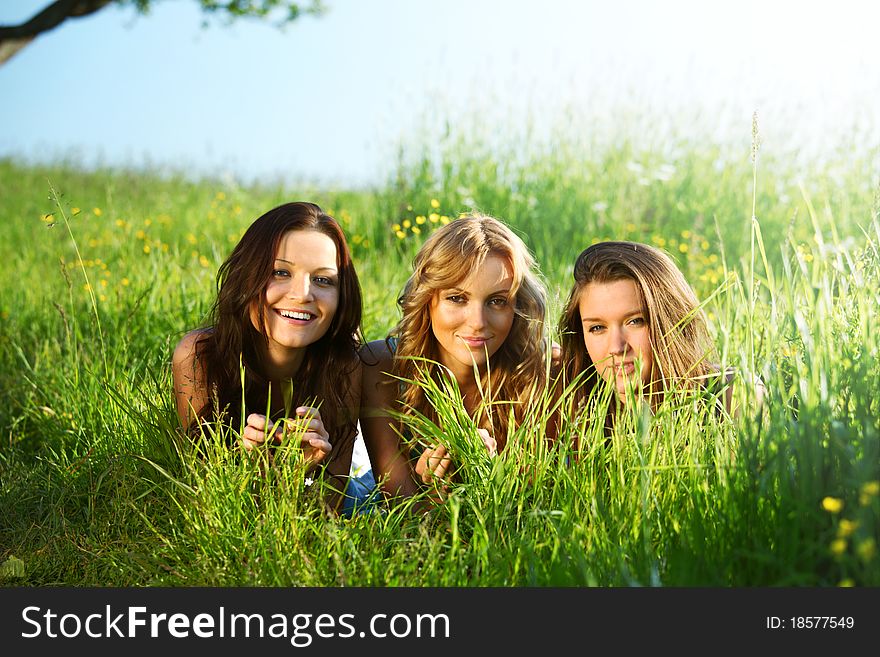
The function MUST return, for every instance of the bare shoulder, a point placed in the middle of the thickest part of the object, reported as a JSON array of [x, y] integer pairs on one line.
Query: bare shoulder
[[377, 389], [185, 351], [376, 355]]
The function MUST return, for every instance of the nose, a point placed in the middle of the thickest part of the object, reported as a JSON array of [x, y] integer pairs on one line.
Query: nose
[[300, 288], [477, 317], [617, 343]]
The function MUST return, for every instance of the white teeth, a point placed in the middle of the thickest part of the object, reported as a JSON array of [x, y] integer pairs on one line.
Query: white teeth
[[295, 315]]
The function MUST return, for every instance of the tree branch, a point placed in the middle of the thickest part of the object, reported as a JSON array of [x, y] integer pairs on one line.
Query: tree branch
[[15, 37]]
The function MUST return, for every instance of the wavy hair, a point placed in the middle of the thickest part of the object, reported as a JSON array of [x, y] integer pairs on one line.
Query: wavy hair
[[681, 346], [516, 371], [233, 340]]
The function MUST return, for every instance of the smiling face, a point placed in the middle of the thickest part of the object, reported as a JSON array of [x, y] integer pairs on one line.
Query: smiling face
[[473, 319], [616, 333], [302, 294]]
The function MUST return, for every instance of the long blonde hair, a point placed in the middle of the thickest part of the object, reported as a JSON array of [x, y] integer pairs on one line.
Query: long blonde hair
[[516, 371], [681, 346]]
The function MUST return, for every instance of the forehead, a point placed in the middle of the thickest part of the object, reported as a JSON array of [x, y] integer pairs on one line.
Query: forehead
[[308, 248], [609, 298], [494, 273]]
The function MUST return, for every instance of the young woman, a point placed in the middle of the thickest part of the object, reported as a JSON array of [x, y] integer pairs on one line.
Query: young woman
[[473, 309], [633, 322], [288, 311]]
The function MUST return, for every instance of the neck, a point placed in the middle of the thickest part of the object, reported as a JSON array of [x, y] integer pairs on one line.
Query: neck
[[281, 364]]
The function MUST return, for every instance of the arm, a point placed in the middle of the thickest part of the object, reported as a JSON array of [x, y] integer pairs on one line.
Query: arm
[[190, 389], [388, 454]]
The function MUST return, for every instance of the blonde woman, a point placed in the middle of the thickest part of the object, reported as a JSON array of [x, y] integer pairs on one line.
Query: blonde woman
[[473, 309]]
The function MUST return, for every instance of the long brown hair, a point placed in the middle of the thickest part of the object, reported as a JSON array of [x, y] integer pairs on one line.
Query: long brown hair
[[681, 346], [517, 368], [234, 341]]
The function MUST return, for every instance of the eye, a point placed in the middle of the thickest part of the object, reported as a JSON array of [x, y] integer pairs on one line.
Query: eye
[[499, 302], [455, 298], [280, 273], [595, 328], [325, 281], [637, 321]]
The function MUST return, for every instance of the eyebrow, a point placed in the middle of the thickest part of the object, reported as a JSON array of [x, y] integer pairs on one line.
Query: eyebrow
[[293, 264], [503, 290], [631, 313]]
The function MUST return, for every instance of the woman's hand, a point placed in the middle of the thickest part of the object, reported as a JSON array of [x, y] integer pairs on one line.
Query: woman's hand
[[314, 439], [435, 465]]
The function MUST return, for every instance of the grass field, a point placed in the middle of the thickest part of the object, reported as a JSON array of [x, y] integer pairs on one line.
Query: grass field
[[103, 271]]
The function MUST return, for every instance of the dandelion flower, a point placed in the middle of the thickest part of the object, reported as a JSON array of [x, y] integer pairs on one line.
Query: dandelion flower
[[147, 248], [867, 549], [416, 230], [435, 203], [832, 504], [420, 220], [192, 239], [407, 223], [97, 212], [846, 528], [125, 282], [203, 261], [869, 490], [838, 547], [395, 227], [400, 234]]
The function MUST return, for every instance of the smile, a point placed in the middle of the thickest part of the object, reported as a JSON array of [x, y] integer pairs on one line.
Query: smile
[[299, 315]]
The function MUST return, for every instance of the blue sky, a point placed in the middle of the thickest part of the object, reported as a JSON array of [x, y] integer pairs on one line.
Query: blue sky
[[329, 99]]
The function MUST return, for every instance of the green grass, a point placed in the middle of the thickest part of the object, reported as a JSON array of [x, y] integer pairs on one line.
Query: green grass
[[96, 490]]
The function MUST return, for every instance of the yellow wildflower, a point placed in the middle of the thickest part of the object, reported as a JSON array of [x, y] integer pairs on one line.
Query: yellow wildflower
[[416, 230], [146, 248], [203, 261], [192, 239], [97, 212], [847, 583], [846, 528], [75, 211], [869, 490], [683, 247], [444, 220], [395, 227], [125, 282], [867, 549], [400, 234], [832, 504], [140, 235], [407, 223], [435, 203], [838, 547], [420, 220]]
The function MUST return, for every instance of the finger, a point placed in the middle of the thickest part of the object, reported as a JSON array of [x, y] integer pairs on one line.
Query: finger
[[309, 411], [490, 442], [442, 467], [256, 421], [306, 425]]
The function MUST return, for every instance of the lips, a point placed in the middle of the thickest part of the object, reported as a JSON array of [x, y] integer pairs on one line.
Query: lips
[[474, 342]]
